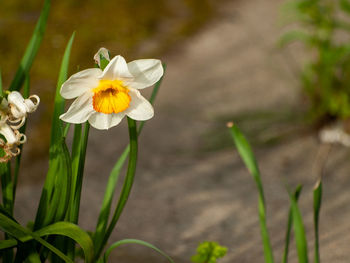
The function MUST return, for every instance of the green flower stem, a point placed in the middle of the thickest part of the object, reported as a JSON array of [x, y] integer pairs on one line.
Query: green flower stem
[[7, 199], [7, 187], [129, 179], [80, 173]]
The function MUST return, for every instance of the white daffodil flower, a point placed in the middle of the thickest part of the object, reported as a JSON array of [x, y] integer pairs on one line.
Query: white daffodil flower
[[104, 97]]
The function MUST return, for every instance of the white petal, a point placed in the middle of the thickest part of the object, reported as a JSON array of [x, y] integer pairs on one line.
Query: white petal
[[8, 133], [103, 121], [80, 110], [32, 103], [117, 69], [80, 82], [15, 98], [146, 72], [139, 109]]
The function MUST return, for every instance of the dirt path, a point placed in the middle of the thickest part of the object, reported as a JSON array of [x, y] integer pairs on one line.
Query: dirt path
[[183, 195]]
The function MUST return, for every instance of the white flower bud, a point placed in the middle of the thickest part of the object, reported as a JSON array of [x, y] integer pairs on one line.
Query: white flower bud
[[102, 51]]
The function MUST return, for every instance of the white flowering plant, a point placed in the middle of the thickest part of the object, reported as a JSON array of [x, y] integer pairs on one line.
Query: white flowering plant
[[103, 95]]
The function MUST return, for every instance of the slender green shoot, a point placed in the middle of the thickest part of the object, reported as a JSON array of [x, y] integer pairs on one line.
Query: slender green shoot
[[299, 231], [248, 158], [317, 207], [289, 225], [32, 48]]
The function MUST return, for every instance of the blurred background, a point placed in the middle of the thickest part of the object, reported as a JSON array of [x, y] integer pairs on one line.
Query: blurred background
[[133, 28], [224, 63]]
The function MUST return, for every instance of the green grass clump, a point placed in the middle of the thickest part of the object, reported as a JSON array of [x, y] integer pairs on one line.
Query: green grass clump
[[323, 27]]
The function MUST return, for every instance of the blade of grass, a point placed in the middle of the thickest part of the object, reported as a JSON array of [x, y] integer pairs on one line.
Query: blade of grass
[[128, 182], [289, 225], [32, 48], [248, 158], [7, 208], [61, 228], [14, 229], [56, 137], [317, 207], [80, 173], [7, 186], [134, 241], [74, 232], [56, 127], [76, 150], [113, 178], [299, 231]]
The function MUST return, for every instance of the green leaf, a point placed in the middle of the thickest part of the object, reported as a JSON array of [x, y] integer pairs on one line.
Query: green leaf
[[299, 231], [248, 158], [74, 232], [57, 155], [60, 228], [289, 225], [33, 258], [317, 207], [32, 48], [113, 179], [134, 241], [56, 127], [6, 186], [17, 231]]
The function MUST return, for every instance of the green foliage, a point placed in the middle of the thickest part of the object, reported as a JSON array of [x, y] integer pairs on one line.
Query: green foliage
[[317, 207], [209, 252], [295, 218], [326, 76]]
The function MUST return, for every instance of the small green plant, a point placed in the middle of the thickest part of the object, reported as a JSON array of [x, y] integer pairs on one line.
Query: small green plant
[[209, 252], [323, 28], [294, 220]]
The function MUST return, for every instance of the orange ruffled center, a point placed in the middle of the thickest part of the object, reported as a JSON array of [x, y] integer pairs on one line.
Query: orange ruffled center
[[111, 96]]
